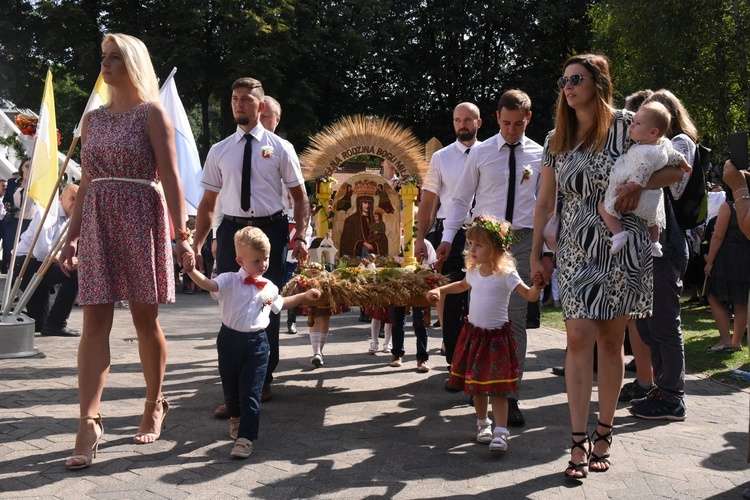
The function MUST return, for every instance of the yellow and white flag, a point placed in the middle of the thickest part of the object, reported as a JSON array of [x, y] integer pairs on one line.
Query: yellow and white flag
[[98, 97], [44, 167]]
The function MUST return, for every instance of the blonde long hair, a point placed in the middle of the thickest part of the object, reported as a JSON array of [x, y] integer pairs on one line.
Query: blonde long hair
[[138, 63], [502, 262], [681, 122], [566, 123]]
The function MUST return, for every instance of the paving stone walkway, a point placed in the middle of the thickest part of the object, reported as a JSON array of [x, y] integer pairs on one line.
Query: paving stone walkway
[[355, 428]]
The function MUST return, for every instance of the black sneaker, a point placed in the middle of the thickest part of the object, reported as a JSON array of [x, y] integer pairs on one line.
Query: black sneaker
[[655, 407], [633, 390], [515, 417]]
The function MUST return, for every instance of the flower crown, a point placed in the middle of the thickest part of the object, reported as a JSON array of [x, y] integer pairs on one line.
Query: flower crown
[[499, 231]]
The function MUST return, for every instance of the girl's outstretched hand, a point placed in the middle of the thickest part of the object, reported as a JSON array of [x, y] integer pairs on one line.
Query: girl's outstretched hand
[[312, 294], [433, 296]]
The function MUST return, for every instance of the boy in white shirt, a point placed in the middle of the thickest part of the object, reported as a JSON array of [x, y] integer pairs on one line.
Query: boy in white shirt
[[246, 300]]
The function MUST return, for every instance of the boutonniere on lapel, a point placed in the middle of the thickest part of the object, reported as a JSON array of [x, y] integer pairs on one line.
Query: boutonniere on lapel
[[526, 173], [266, 151]]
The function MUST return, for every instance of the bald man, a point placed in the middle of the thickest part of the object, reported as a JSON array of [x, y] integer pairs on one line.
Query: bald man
[[54, 321], [440, 183]]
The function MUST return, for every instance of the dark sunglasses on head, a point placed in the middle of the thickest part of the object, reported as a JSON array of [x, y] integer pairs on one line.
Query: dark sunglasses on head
[[574, 80]]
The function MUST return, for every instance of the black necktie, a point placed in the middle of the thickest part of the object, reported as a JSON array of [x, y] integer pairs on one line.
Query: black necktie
[[467, 151], [511, 182], [246, 169]]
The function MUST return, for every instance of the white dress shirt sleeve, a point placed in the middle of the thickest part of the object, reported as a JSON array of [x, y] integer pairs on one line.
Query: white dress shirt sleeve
[[463, 195]]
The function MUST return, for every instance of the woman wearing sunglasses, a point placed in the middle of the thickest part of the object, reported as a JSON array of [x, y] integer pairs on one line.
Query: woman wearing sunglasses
[[598, 290]]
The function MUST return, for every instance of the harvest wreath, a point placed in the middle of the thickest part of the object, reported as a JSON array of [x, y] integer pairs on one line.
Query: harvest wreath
[[363, 286]]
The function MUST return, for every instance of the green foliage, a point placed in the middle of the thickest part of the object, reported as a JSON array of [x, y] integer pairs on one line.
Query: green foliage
[[699, 333], [12, 142], [410, 60], [695, 49]]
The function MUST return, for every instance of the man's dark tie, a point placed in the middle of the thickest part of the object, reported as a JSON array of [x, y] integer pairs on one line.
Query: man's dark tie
[[467, 151], [249, 280], [246, 169], [511, 182]]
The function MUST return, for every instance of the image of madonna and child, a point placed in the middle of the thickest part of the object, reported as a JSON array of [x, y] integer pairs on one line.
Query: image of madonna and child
[[485, 363], [246, 300], [634, 168]]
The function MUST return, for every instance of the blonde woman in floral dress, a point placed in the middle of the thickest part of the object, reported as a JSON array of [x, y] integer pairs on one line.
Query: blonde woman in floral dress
[[120, 231]]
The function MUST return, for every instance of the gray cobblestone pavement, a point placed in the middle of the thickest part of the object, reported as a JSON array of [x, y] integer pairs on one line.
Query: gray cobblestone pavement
[[355, 428]]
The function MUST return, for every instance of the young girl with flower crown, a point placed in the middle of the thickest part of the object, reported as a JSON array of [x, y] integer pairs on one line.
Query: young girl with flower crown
[[485, 363]]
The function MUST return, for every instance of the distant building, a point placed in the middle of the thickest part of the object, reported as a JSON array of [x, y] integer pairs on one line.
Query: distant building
[[9, 162]]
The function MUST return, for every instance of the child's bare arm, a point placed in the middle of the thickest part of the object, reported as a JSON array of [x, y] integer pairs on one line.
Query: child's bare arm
[[203, 282], [530, 294], [456, 287], [310, 295]]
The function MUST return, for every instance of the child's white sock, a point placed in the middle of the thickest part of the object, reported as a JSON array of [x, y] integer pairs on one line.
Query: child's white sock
[[375, 329], [656, 249], [388, 330], [618, 241], [322, 342], [315, 342], [483, 422]]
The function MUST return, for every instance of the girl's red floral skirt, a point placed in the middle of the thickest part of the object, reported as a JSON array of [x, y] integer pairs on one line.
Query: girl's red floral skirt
[[485, 362]]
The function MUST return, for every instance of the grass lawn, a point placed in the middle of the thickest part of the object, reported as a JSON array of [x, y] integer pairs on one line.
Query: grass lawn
[[699, 331]]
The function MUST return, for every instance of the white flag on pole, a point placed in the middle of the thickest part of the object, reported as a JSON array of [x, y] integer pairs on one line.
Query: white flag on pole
[[188, 161]]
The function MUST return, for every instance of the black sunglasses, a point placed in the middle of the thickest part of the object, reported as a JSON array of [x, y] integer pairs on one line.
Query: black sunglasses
[[574, 80]]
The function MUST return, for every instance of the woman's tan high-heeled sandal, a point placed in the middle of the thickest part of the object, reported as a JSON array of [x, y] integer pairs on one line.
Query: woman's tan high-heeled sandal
[[153, 436], [85, 460]]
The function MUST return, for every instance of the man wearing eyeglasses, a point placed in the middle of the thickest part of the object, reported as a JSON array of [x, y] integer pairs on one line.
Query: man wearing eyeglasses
[[503, 174]]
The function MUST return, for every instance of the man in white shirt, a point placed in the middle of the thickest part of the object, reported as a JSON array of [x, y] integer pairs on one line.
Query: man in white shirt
[[503, 175], [248, 169], [440, 186], [50, 322]]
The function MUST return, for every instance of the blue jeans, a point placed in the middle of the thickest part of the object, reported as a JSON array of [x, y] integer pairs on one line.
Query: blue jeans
[[243, 360], [399, 324]]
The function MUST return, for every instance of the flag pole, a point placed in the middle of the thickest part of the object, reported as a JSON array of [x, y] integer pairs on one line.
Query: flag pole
[[9, 300], [9, 277], [37, 278]]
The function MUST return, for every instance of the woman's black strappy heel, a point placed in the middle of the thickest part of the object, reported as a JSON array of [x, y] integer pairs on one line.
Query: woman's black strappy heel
[[582, 467], [604, 459]]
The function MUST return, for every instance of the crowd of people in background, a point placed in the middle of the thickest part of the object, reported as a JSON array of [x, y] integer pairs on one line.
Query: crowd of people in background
[[616, 266]]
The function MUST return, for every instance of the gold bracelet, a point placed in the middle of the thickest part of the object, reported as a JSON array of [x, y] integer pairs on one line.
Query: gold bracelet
[[738, 191]]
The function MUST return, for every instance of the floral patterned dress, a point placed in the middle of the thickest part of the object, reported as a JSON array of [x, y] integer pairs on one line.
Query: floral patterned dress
[[594, 284], [124, 249]]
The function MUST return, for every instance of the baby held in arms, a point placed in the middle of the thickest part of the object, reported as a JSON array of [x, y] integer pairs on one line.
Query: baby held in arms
[[635, 168]]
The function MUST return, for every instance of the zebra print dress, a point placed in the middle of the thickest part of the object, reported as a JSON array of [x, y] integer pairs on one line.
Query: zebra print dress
[[594, 284]]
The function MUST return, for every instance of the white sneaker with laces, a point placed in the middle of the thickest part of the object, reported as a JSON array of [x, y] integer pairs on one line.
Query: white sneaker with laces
[[387, 347], [374, 347]]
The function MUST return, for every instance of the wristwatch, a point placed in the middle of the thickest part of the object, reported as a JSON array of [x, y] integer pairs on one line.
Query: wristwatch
[[551, 255]]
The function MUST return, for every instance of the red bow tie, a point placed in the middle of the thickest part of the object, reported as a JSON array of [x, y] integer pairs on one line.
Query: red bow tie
[[249, 280]]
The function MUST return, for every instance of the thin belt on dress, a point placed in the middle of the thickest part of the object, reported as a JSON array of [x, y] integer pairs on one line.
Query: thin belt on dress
[[124, 179]]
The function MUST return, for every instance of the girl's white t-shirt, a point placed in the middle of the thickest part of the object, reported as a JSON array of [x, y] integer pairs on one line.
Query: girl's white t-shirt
[[490, 295]]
